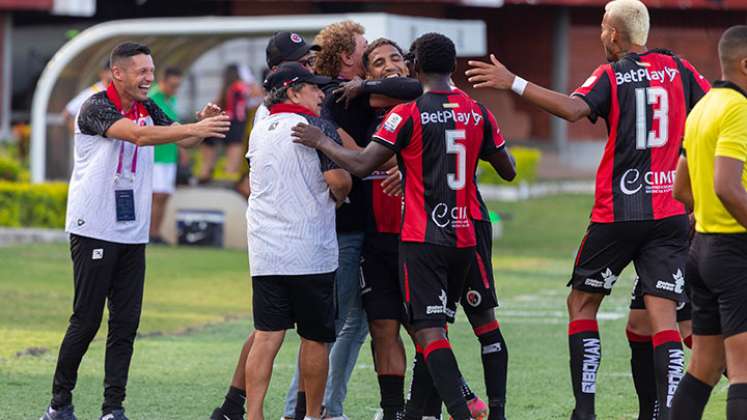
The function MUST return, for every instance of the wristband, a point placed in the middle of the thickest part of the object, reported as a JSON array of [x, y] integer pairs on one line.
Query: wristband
[[519, 85]]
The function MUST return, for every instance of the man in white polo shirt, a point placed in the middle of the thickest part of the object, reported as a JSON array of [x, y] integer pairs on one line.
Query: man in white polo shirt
[[108, 215], [293, 249]]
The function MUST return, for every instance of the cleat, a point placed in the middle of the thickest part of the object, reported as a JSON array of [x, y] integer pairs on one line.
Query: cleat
[[477, 408], [65, 413], [114, 415], [575, 416], [219, 414]]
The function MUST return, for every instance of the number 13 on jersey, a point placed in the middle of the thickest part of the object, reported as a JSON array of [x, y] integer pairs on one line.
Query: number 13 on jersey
[[647, 137]]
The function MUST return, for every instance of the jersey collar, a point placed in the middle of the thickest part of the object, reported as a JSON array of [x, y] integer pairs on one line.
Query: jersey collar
[[136, 111], [292, 108], [729, 85]]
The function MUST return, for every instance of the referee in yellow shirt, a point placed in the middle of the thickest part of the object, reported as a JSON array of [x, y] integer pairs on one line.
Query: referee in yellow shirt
[[711, 180]]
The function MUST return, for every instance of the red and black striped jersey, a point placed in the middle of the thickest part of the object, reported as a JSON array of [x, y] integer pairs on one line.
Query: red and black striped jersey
[[645, 99], [438, 139]]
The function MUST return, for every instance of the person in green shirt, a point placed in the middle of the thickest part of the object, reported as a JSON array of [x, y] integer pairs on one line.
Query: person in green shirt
[[165, 156]]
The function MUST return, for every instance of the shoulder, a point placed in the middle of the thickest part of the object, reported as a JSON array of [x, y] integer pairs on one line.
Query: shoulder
[[98, 100], [327, 127]]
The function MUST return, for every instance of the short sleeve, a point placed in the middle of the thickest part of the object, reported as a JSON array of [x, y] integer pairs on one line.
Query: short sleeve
[[97, 114], [732, 141], [156, 113], [493, 140], [396, 129], [596, 91], [698, 84]]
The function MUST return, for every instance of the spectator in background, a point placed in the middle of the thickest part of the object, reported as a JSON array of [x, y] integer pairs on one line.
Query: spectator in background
[[72, 107], [233, 100], [165, 156]]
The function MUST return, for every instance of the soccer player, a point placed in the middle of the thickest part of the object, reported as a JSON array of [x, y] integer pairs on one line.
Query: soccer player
[[444, 133], [293, 256], [711, 178], [644, 96]]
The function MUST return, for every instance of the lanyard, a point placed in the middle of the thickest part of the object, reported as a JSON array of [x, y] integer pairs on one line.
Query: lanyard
[[133, 166]]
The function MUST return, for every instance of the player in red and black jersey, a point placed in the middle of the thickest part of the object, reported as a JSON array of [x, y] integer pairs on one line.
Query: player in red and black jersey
[[437, 140], [644, 96]]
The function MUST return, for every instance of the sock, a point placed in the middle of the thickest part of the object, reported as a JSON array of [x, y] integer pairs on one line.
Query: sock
[[688, 341], [494, 366], [420, 388], [235, 401], [392, 389], [300, 406], [736, 402], [466, 391], [669, 368], [445, 373], [586, 355], [642, 368], [690, 399], [433, 405]]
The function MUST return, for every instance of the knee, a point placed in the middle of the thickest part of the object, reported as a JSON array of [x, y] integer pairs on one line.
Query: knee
[[477, 319], [583, 305], [638, 323]]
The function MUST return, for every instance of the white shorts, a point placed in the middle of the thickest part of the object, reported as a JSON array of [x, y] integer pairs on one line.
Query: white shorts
[[164, 178]]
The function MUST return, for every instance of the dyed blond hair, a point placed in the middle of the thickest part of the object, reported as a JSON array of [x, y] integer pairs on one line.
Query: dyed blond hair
[[335, 39], [632, 16]]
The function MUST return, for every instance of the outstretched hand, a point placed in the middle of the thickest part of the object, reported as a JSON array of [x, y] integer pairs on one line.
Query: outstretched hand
[[493, 74], [216, 126], [349, 91], [392, 184], [209, 110], [308, 135]]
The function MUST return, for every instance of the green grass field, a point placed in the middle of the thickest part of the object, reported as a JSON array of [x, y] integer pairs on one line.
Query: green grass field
[[197, 314]]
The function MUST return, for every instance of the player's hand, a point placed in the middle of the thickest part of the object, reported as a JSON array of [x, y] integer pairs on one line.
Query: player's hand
[[392, 184], [308, 135], [216, 126], [349, 91], [493, 74], [210, 110]]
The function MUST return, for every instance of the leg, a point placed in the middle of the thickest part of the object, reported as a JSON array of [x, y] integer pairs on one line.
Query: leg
[[389, 359], [156, 214], [706, 365], [125, 305], [639, 334], [494, 359], [314, 366], [92, 278], [259, 370], [351, 326], [235, 399], [585, 349], [208, 154], [669, 358], [736, 365], [234, 156]]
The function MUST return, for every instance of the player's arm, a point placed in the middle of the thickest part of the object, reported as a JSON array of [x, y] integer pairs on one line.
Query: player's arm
[[496, 75], [340, 183], [359, 163], [209, 110], [503, 163], [682, 191], [493, 148], [727, 184], [149, 135], [349, 143], [382, 93]]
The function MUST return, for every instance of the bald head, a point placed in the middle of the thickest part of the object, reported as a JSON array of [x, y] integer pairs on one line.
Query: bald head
[[732, 51]]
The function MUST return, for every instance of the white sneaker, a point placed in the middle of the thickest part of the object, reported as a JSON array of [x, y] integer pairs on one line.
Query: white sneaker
[[379, 414], [342, 417]]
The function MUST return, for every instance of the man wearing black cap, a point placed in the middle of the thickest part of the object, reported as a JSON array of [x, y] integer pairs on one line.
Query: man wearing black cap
[[283, 47], [293, 257]]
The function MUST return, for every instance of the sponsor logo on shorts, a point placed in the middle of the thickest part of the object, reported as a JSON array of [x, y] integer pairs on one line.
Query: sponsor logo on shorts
[[440, 309], [474, 298], [676, 287], [607, 281], [592, 357], [98, 254]]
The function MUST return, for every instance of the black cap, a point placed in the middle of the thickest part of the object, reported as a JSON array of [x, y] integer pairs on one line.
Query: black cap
[[288, 74], [287, 46]]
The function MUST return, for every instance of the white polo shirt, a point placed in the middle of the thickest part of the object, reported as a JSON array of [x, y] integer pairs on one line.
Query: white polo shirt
[[291, 215], [105, 165]]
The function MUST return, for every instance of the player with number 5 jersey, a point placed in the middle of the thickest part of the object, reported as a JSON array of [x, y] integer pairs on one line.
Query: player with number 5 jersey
[[644, 96]]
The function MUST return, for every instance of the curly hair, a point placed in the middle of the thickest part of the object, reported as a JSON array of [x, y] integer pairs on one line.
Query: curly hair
[[435, 53], [376, 44], [335, 39]]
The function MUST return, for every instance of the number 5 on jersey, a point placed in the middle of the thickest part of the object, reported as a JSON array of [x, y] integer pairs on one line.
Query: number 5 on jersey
[[648, 138], [456, 181]]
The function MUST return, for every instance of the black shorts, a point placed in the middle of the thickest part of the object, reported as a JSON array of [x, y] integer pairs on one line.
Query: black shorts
[[718, 283], [307, 301], [479, 290], [380, 292], [684, 309], [432, 279], [657, 248], [235, 135]]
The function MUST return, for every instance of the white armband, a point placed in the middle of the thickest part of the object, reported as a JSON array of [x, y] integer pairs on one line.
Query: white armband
[[519, 85]]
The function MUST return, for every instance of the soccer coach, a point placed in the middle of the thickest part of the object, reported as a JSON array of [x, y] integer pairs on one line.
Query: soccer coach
[[108, 216]]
